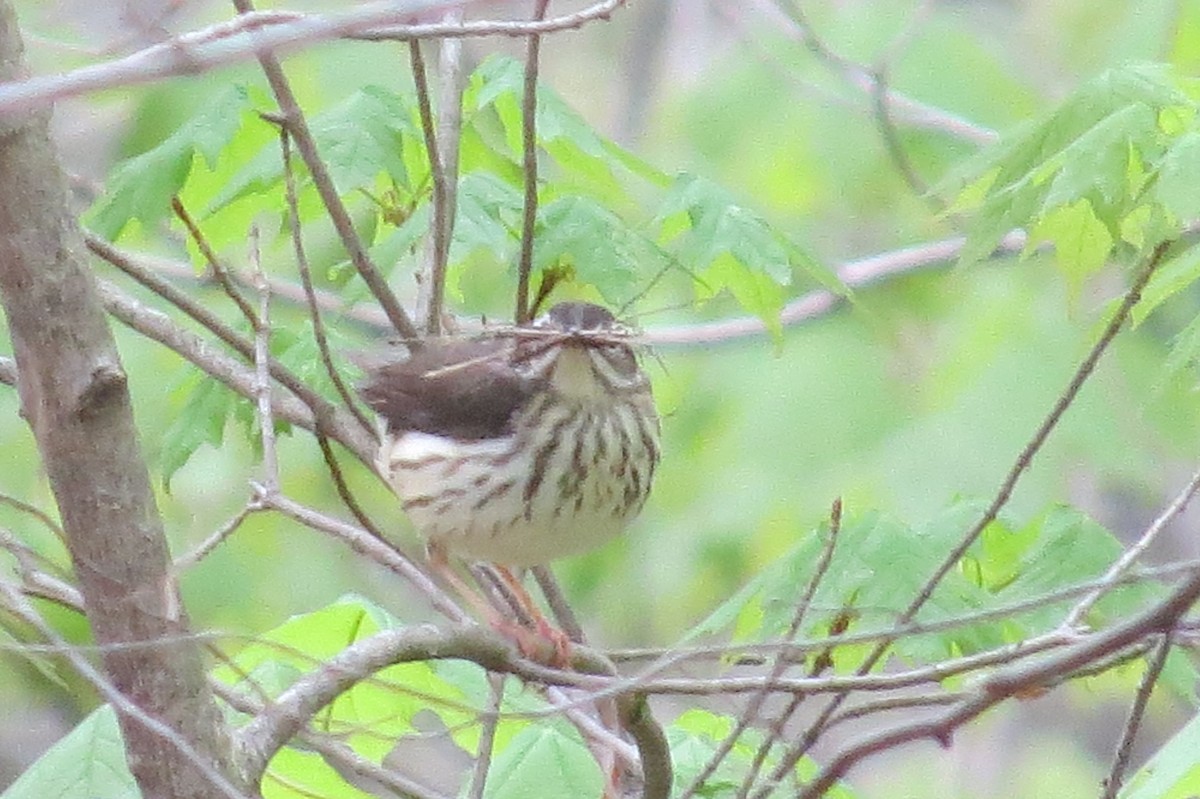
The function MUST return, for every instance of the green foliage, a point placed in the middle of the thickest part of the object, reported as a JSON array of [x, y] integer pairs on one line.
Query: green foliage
[[142, 187], [1115, 164], [694, 737], [591, 230], [879, 564], [590, 221], [88, 762]]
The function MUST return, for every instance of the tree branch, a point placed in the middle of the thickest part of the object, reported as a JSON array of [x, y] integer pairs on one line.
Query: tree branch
[[1012, 682], [529, 167], [1081, 375], [297, 126], [75, 397]]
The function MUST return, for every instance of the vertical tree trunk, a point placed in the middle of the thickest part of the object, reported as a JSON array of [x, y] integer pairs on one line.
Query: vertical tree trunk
[[74, 395]]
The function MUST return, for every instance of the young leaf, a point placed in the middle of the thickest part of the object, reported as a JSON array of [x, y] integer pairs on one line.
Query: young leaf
[[200, 421], [88, 762], [733, 249], [547, 760], [293, 774], [142, 187], [595, 245]]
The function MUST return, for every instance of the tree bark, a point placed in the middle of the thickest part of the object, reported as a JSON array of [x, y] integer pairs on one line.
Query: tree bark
[[74, 395]]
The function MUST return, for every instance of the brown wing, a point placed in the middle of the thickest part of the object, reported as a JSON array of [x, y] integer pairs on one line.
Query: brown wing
[[466, 390]]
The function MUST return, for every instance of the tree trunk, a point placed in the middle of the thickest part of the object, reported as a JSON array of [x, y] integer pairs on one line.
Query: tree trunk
[[74, 396]]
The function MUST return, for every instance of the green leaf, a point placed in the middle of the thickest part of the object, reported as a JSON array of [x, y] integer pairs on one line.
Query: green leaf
[[877, 567], [364, 137], [200, 421], [1102, 146], [360, 139], [694, 737], [88, 762], [732, 248], [597, 247], [292, 774], [1082, 242], [142, 187], [489, 213], [1174, 770], [1179, 272], [544, 760], [1178, 187]]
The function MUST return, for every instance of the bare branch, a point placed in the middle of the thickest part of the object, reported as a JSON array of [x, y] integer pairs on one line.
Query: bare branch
[[433, 279], [266, 733], [74, 394], [1082, 373], [1116, 775], [450, 29], [487, 737], [310, 295], [854, 274], [297, 126], [370, 546], [339, 755], [529, 167], [915, 112], [200, 51], [214, 263], [232, 373], [190, 559], [1075, 618], [18, 605], [1014, 681]]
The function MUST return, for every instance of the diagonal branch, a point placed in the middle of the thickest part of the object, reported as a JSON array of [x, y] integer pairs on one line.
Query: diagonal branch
[[1065, 400], [297, 125], [1012, 682]]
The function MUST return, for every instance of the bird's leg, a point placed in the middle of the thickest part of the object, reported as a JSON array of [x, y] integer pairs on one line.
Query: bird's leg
[[559, 639], [531, 643]]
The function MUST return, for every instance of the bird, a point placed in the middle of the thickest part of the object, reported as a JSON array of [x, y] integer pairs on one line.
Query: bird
[[521, 445]]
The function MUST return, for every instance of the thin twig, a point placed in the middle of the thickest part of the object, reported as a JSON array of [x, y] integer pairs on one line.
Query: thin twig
[[210, 256], [678, 655], [529, 167], [780, 722], [233, 374], [792, 23], [19, 606], [32, 510], [193, 53], [190, 559], [433, 283], [1116, 774], [368, 545], [262, 350], [563, 614], [781, 664], [297, 125], [1065, 400], [1074, 619], [454, 30], [310, 295], [1014, 681], [322, 409], [854, 274], [487, 736], [339, 755]]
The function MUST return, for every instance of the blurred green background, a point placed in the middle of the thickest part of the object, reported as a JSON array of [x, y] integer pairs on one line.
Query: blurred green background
[[922, 391]]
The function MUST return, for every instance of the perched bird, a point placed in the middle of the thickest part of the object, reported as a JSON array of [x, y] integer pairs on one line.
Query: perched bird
[[523, 445]]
